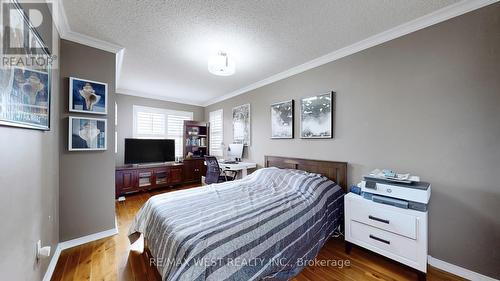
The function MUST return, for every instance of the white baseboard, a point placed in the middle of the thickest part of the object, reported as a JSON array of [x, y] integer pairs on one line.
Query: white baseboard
[[73, 243], [52, 264], [457, 270], [89, 238], [448, 267]]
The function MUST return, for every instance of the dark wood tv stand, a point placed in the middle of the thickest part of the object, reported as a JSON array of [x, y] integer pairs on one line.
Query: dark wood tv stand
[[138, 178]]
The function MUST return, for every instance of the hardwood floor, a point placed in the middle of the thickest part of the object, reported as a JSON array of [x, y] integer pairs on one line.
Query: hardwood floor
[[110, 258]]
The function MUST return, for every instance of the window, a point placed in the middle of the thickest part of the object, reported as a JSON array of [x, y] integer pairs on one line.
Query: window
[[116, 128], [158, 123], [175, 128], [150, 124], [216, 132]]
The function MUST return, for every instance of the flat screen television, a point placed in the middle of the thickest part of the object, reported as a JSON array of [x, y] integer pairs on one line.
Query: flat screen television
[[140, 151]]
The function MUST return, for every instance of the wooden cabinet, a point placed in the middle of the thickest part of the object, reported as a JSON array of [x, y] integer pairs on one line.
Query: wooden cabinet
[[194, 169], [162, 176], [175, 175], [202, 168], [130, 179], [188, 170], [145, 178], [126, 181], [196, 138]]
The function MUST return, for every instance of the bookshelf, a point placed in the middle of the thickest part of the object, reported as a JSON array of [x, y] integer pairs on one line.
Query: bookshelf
[[196, 138]]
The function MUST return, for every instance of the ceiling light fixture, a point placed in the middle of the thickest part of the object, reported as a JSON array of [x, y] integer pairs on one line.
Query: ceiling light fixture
[[221, 65]]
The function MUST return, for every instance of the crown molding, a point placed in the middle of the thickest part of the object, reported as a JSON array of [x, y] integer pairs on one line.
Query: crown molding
[[65, 32], [118, 66], [122, 91], [435, 17], [91, 41]]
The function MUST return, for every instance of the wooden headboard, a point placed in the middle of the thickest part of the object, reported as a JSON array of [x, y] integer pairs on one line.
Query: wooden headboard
[[335, 171]]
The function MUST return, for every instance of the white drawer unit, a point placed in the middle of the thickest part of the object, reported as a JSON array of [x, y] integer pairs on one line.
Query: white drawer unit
[[399, 234], [374, 215]]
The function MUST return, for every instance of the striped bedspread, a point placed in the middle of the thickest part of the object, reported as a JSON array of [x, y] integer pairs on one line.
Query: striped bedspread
[[265, 226]]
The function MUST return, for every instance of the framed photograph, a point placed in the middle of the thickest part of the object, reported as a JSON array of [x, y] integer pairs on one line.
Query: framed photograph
[[241, 124], [282, 120], [87, 96], [87, 134], [316, 117]]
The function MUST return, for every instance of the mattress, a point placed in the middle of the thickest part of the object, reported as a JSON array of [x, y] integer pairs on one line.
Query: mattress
[[265, 226]]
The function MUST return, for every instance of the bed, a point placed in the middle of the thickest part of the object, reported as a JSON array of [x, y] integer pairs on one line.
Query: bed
[[264, 226]]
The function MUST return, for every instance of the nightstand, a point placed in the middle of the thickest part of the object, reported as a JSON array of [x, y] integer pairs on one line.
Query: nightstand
[[399, 234]]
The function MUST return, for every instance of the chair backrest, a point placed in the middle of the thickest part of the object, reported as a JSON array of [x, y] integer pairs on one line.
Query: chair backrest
[[213, 170]]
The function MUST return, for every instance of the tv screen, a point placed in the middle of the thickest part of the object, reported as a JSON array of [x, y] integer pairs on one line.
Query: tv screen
[[138, 151]]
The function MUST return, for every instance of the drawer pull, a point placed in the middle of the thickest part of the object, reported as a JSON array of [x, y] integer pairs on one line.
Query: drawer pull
[[380, 239], [378, 219]]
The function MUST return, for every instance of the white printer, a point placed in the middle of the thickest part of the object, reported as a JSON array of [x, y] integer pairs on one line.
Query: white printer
[[397, 228], [409, 194]]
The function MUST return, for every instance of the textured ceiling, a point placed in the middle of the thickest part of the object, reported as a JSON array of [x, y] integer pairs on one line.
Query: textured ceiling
[[167, 43]]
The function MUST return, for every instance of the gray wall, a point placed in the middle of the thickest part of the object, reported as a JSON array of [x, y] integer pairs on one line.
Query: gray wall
[[87, 180], [29, 181], [125, 105], [427, 103]]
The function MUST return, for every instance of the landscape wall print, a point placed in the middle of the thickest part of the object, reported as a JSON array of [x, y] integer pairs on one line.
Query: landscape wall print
[[282, 120], [316, 114], [241, 124], [87, 134], [25, 98], [88, 96]]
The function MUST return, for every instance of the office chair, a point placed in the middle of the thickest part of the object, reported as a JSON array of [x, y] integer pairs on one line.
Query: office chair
[[215, 174]]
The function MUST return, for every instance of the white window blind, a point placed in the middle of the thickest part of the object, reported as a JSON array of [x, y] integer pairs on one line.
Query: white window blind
[[150, 122], [216, 132], [175, 130]]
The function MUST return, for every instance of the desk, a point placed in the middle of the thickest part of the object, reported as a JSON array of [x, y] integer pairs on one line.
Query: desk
[[241, 167]]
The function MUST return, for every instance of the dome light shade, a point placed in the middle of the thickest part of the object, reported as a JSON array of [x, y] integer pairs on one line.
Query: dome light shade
[[221, 65]]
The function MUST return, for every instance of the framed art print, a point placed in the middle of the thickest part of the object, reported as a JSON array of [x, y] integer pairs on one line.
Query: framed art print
[[282, 120], [316, 117], [25, 74], [241, 124], [25, 98], [87, 96], [87, 134]]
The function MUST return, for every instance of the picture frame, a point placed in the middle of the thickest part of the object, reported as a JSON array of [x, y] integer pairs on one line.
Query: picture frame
[[25, 99], [316, 116], [88, 96], [87, 134], [25, 92], [282, 120], [242, 124]]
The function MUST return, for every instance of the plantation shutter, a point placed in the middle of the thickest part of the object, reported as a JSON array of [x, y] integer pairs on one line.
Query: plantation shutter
[[216, 132], [150, 124], [175, 129], [159, 123]]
